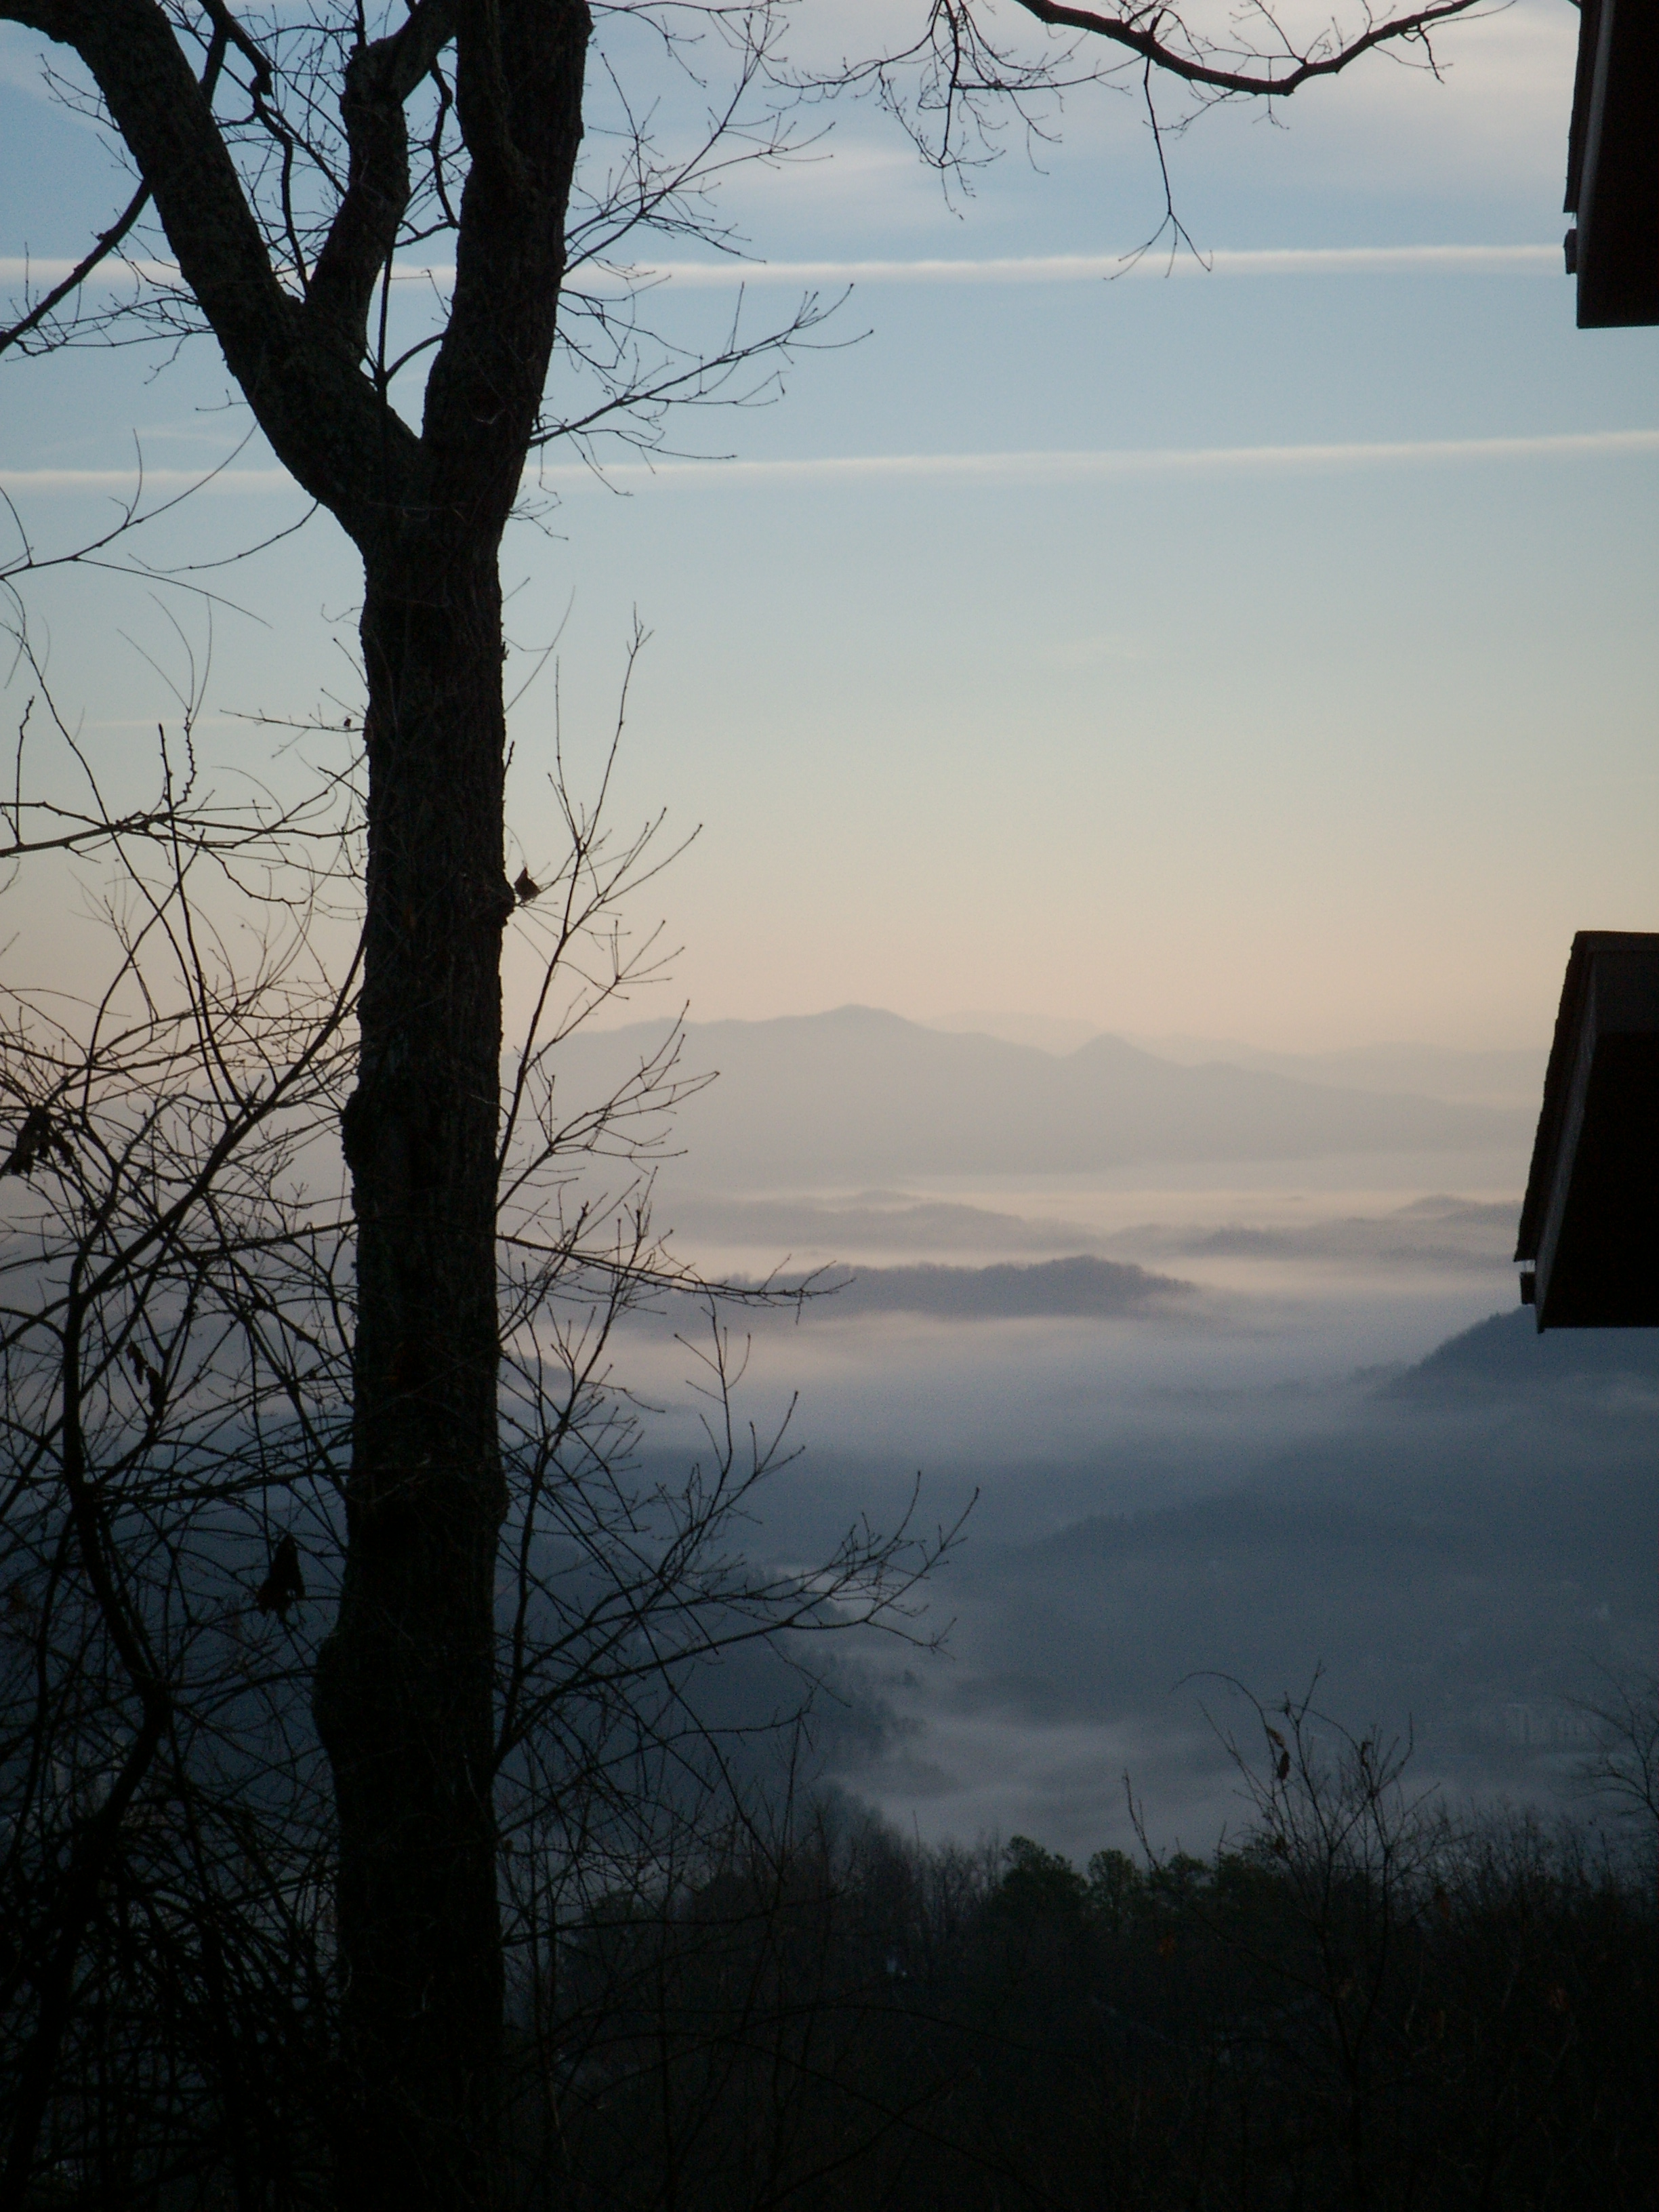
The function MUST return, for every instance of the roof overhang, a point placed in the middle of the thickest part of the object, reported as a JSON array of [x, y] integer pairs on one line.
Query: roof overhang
[[1590, 1222], [1613, 164]]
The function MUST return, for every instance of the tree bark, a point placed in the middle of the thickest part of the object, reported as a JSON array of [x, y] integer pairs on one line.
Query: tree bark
[[404, 1694]]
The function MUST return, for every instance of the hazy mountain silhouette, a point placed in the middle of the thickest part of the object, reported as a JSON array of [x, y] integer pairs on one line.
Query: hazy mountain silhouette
[[1435, 1231], [1506, 1353], [872, 1221], [857, 1095], [1077, 1288], [1511, 1077]]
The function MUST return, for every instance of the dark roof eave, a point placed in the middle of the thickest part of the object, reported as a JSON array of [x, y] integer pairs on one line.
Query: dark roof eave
[[1558, 1075]]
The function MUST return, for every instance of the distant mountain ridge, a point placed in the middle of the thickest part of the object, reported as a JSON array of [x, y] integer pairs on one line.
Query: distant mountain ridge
[[1506, 1353], [1461, 1075], [1511, 1077], [858, 1095], [1078, 1288]]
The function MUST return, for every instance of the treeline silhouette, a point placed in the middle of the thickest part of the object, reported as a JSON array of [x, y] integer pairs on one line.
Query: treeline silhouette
[[1366, 2004], [1366, 2001]]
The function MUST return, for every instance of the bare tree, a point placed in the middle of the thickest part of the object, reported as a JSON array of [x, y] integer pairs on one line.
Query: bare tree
[[282, 162], [171, 1296], [1360, 1860], [177, 1311], [1622, 1771]]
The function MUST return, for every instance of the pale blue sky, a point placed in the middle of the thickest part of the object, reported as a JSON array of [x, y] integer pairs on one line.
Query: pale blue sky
[[1159, 729]]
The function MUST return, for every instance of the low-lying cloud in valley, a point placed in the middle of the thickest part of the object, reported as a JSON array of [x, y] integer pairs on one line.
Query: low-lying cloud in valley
[[1462, 1551], [1072, 1289], [1237, 1388]]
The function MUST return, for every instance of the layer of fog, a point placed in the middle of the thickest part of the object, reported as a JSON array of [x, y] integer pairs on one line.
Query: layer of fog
[[1156, 1498], [1183, 1404]]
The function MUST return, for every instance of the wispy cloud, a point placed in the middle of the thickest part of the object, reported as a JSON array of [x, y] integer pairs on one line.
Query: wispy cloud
[[1036, 468], [21, 269], [1007, 269], [122, 483], [1083, 467], [1079, 268]]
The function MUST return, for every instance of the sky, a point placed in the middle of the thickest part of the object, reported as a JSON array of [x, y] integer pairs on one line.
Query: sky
[[1265, 652]]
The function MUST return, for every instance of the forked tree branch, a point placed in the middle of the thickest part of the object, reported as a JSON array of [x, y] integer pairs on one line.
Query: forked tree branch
[[1142, 31], [322, 414]]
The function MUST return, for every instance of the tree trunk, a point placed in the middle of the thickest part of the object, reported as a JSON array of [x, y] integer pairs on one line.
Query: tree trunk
[[403, 1692], [404, 1685]]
